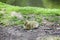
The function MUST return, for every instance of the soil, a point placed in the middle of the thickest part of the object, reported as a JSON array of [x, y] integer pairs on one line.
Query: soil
[[18, 33]]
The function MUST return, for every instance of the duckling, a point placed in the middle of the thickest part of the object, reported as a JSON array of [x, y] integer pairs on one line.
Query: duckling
[[31, 25]]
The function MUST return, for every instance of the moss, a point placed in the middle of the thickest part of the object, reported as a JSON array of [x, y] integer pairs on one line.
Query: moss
[[39, 12]]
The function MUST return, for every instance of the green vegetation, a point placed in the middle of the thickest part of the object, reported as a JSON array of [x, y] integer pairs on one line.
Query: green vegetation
[[6, 19], [50, 38], [24, 2], [53, 38], [51, 3]]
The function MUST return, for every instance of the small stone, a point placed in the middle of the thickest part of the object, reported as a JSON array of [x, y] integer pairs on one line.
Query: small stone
[[18, 15]]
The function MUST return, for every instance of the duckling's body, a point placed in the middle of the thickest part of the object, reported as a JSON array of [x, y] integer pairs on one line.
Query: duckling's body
[[31, 25]]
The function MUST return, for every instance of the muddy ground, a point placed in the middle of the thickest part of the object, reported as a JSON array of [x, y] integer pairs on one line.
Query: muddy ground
[[18, 33]]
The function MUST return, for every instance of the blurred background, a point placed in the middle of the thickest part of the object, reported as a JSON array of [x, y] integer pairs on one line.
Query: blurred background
[[34, 3]]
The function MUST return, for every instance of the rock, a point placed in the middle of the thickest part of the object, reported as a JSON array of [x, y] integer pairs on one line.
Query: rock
[[31, 17], [18, 15]]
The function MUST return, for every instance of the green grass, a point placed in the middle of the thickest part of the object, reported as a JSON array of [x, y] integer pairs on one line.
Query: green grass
[[6, 19], [50, 38], [53, 38]]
